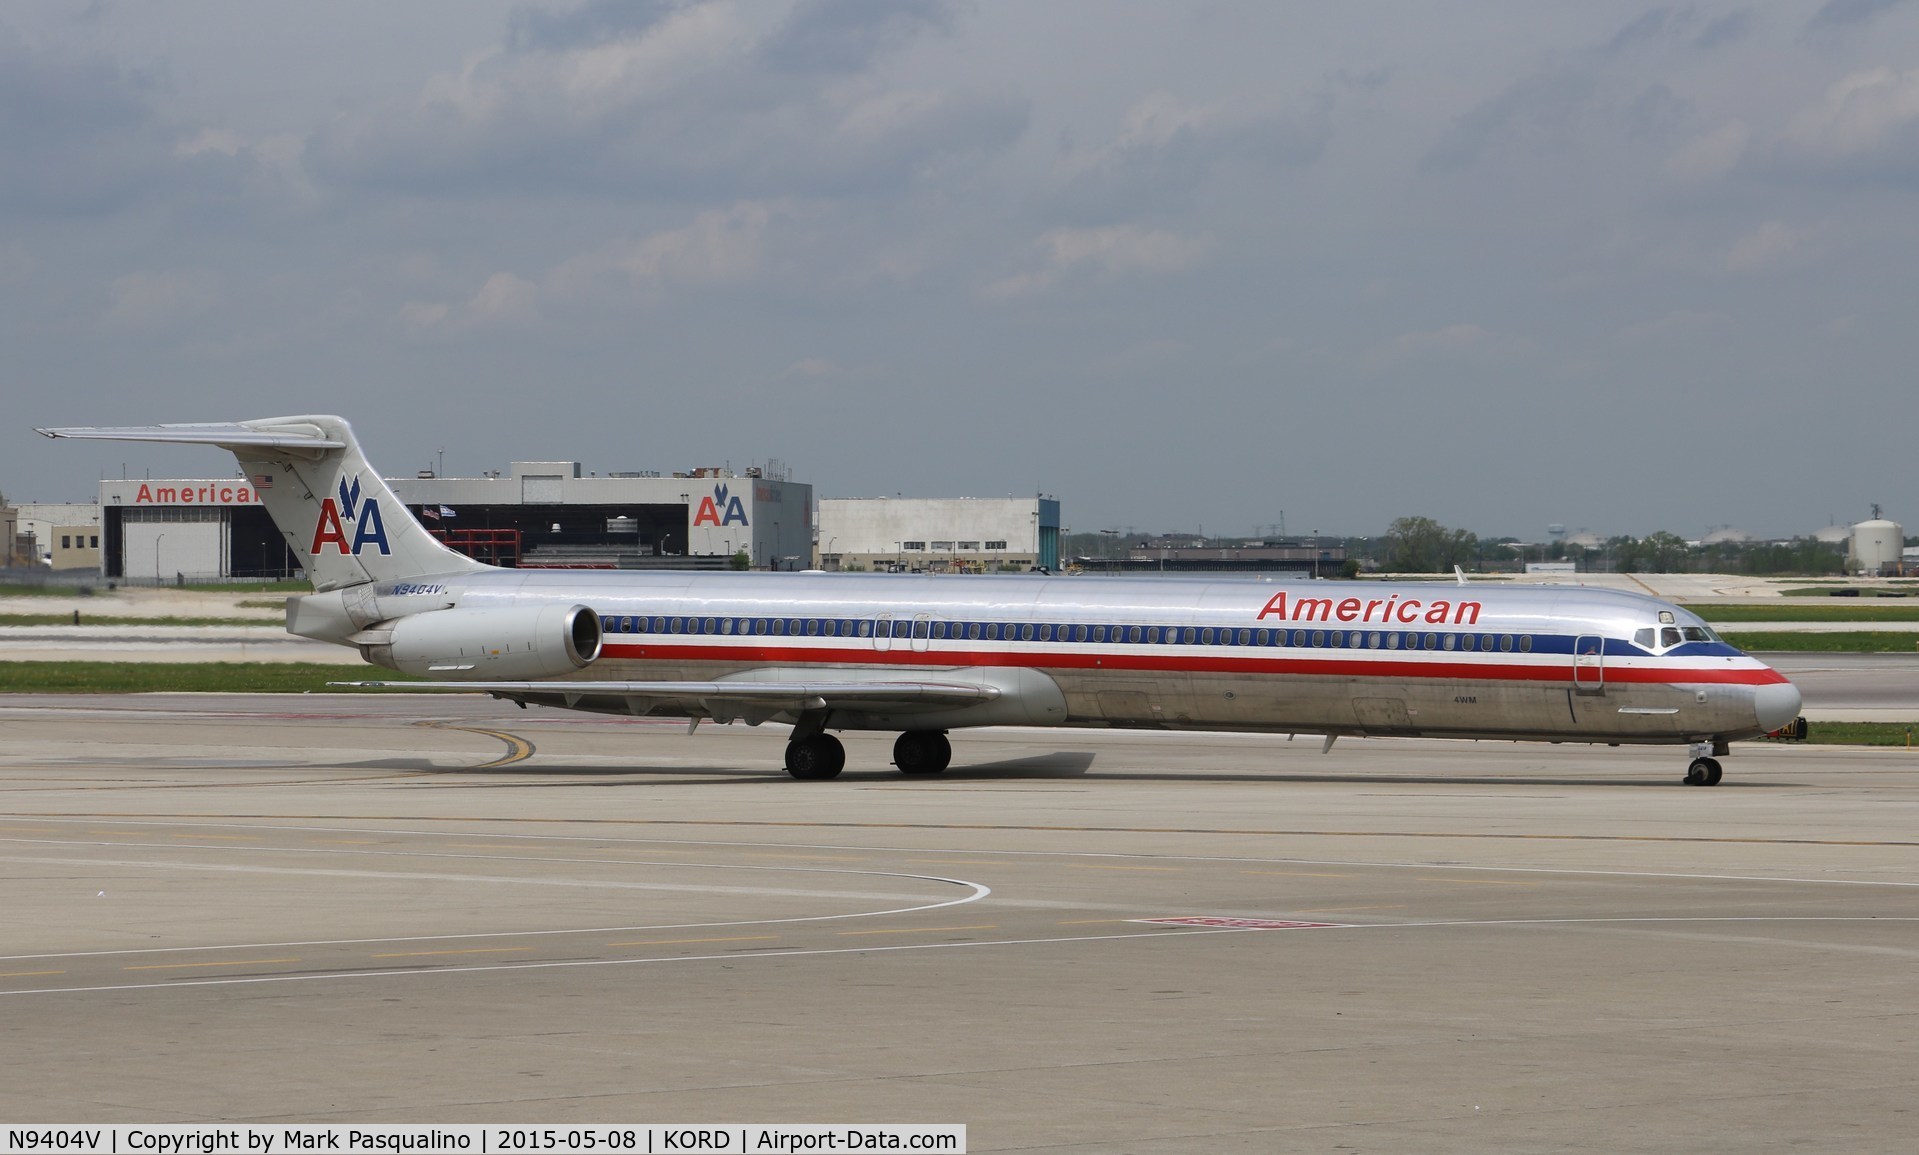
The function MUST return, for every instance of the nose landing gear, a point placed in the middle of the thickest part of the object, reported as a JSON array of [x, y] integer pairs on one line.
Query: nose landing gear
[[1705, 769], [1703, 772]]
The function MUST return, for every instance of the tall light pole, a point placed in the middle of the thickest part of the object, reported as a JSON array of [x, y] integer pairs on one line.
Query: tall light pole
[[157, 539], [1315, 555]]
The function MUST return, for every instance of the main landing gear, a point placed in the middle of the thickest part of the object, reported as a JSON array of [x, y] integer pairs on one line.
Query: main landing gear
[[922, 752], [813, 755]]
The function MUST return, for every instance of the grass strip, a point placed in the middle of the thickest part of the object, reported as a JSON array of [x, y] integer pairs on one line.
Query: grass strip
[[1899, 612], [1862, 733], [47, 591], [1886, 591], [1821, 642], [186, 677]]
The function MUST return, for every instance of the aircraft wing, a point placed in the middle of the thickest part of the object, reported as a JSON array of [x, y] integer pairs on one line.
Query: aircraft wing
[[755, 700]]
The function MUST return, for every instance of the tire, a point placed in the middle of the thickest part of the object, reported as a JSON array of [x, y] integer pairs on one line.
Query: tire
[[922, 752], [815, 757]]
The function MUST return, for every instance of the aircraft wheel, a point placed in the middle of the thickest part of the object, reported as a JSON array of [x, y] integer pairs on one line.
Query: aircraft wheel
[[815, 757], [922, 752], [1703, 772]]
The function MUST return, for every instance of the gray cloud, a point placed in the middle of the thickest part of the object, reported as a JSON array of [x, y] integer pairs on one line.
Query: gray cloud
[[1533, 112], [674, 106], [1656, 112], [598, 22], [1724, 31], [1841, 14], [1167, 150], [849, 35], [1687, 24], [79, 134], [1864, 127], [961, 249], [1648, 26]]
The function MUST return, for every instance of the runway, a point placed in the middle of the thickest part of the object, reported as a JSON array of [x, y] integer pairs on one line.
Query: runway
[[438, 910]]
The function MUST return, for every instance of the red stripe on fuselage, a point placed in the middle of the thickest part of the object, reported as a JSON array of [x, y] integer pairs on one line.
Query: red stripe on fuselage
[[1335, 667]]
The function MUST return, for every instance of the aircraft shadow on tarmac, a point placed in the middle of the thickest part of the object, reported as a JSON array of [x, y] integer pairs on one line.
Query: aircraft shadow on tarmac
[[1064, 765]]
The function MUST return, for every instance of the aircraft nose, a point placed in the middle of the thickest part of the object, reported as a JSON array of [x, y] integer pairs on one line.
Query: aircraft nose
[[1775, 705]]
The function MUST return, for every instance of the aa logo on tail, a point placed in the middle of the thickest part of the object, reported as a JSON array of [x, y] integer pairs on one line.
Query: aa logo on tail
[[711, 507], [368, 529]]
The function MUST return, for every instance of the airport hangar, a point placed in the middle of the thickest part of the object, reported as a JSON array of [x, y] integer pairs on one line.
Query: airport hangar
[[540, 514], [939, 534], [545, 514]]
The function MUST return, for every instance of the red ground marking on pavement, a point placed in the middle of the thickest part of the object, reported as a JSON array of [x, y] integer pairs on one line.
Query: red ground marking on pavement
[[1238, 923]]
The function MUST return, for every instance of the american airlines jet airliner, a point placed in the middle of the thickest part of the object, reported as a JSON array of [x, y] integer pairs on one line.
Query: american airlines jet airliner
[[923, 655]]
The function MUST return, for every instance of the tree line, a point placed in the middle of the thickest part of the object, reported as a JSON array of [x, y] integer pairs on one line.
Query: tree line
[[1422, 545]]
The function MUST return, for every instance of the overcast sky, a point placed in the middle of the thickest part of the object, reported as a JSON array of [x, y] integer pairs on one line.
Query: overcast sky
[[1622, 266]]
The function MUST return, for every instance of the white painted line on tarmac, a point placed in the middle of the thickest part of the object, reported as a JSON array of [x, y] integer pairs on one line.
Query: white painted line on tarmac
[[976, 891], [739, 957], [494, 967]]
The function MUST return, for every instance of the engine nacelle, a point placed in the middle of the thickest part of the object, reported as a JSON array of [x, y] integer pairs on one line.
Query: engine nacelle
[[511, 643]]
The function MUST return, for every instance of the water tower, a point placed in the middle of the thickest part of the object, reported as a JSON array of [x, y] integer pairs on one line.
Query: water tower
[[1877, 545]]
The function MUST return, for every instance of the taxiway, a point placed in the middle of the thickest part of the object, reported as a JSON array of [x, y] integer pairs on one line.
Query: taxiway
[[419, 909]]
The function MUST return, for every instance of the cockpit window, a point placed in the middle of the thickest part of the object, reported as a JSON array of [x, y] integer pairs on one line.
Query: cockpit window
[[1670, 636]]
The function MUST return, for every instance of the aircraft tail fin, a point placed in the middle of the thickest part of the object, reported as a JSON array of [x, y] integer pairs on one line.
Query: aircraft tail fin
[[335, 512]]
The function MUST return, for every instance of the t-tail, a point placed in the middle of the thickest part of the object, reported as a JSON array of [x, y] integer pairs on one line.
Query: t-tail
[[339, 517]]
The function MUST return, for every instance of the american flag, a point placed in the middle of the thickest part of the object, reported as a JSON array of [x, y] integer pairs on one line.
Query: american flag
[[263, 481]]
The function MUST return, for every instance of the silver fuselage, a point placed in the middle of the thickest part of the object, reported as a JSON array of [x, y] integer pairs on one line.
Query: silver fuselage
[[1380, 658]]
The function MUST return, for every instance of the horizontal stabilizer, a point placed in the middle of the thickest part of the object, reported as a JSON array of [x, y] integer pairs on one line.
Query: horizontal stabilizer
[[338, 516], [227, 435]]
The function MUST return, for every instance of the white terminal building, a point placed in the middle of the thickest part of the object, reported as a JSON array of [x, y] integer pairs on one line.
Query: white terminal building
[[939, 535]]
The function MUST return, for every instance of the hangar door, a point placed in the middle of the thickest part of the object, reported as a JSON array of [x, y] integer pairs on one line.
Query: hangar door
[[189, 541]]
